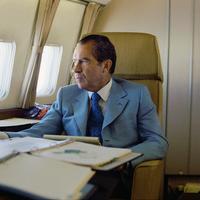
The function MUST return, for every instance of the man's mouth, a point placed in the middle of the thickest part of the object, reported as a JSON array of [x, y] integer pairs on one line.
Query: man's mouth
[[78, 77]]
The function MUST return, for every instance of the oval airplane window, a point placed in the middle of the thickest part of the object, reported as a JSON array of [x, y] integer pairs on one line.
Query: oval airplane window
[[7, 54], [49, 69]]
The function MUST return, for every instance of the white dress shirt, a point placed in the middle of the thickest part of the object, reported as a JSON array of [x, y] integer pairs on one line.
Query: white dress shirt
[[104, 94]]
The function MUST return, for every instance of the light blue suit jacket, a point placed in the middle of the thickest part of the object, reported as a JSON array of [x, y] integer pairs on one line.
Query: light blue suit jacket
[[130, 119]]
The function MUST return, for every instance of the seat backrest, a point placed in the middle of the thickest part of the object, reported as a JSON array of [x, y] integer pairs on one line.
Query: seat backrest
[[138, 60]]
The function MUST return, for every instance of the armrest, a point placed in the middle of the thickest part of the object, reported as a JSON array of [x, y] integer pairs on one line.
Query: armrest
[[148, 180]]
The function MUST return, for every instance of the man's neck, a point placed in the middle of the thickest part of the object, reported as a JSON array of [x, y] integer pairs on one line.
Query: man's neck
[[104, 91]]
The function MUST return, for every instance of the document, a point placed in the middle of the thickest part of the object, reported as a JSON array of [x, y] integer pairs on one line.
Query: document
[[13, 146], [87, 154], [37, 177]]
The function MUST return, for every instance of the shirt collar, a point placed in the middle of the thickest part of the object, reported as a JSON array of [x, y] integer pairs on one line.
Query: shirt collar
[[104, 91]]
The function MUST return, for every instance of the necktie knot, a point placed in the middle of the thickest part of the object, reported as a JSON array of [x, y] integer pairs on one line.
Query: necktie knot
[[95, 97]]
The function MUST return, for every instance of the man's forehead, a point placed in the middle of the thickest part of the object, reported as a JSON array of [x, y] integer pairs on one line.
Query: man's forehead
[[83, 50], [87, 45]]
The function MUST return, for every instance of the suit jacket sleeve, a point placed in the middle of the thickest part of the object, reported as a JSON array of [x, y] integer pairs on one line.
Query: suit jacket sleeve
[[152, 144], [50, 124]]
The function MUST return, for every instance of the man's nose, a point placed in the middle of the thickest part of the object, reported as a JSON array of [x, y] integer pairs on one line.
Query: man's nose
[[77, 67]]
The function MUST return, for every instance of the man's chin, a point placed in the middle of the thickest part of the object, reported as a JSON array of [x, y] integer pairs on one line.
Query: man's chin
[[81, 86]]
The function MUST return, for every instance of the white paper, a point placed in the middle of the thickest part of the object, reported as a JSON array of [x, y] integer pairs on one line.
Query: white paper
[[85, 154], [5, 151], [26, 144]]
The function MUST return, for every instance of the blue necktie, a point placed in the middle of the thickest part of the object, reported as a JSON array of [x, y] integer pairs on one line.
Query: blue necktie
[[95, 119]]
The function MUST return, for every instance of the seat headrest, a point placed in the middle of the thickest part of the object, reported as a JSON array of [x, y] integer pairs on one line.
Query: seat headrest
[[138, 55]]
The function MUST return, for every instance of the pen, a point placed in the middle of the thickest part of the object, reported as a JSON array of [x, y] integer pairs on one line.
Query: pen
[[75, 151]]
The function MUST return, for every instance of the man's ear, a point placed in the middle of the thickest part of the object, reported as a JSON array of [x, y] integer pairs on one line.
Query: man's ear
[[107, 65]]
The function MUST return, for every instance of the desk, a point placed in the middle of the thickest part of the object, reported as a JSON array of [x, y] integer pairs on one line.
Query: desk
[[16, 124], [16, 128]]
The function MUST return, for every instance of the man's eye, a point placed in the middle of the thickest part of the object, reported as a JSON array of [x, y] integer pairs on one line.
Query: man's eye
[[81, 61], [84, 61]]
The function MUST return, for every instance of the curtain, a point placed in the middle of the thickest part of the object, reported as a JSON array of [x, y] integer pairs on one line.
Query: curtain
[[43, 21], [90, 16]]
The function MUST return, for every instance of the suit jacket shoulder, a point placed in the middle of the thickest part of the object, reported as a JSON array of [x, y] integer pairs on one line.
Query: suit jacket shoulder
[[132, 90], [128, 84]]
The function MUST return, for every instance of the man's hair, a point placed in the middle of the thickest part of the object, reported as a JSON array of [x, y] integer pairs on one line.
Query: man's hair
[[102, 50]]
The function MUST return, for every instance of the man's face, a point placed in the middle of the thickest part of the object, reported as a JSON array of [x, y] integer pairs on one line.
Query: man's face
[[88, 72]]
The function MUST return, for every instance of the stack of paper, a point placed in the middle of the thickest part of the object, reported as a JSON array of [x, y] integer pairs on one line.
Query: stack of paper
[[43, 174]]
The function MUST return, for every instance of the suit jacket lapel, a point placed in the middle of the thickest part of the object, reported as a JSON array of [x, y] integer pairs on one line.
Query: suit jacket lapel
[[80, 106], [116, 103]]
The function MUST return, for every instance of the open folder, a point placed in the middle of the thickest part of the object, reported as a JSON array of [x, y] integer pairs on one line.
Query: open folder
[[43, 178], [96, 157]]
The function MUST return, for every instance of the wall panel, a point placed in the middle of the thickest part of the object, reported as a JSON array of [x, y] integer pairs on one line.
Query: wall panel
[[194, 165]]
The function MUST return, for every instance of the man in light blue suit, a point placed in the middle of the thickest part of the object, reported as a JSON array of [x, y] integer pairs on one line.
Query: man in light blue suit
[[129, 115], [130, 118]]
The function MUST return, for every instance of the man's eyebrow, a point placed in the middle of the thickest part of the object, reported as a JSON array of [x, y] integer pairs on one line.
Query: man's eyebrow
[[84, 58]]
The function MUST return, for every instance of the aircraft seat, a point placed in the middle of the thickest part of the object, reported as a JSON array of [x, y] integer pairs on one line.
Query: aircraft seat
[[138, 60]]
